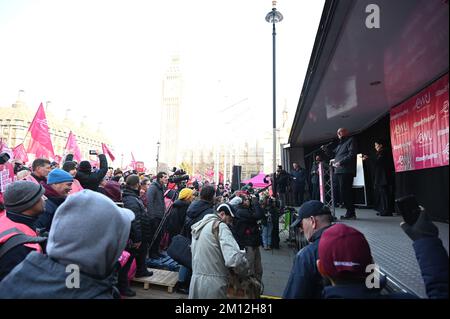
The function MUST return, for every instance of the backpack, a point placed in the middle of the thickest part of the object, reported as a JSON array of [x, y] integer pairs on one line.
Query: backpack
[[239, 287], [17, 240]]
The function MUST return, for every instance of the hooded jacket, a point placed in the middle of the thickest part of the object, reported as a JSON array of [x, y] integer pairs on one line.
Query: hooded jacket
[[211, 257], [88, 231], [245, 225], [141, 228], [195, 212], [91, 180]]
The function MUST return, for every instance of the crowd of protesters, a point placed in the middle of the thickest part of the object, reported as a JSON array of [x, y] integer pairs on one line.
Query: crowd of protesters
[[50, 218]]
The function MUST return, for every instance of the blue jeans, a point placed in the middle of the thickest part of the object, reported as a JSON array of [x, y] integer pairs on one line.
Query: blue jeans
[[267, 235]]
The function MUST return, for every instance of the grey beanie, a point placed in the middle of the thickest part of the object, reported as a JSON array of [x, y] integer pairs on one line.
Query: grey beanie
[[22, 195]]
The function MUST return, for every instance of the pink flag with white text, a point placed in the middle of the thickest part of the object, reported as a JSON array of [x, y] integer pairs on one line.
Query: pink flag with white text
[[20, 153], [133, 161], [72, 147], [40, 143]]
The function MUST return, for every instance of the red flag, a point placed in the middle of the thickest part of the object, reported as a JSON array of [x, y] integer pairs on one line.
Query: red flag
[[40, 142], [107, 151], [58, 159], [72, 147], [20, 153]]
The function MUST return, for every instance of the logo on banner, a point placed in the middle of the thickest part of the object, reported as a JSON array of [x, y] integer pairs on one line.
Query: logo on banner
[[404, 161], [401, 128], [422, 101], [424, 138]]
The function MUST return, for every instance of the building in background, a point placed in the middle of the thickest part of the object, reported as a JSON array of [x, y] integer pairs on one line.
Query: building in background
[[15, 121]]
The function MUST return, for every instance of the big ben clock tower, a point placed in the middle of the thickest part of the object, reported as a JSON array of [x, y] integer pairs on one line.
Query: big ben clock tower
[[171, 100]]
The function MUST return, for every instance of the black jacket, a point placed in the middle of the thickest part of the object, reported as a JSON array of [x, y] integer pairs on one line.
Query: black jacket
[[345, 153], [141, 226], [155, 200], [245, 225], [44, 221], [195, 212], [282, 181], [177, 217], [17, 254], [91, 180], [383, 169]]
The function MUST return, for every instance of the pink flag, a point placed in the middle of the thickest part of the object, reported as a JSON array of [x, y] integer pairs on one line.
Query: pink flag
[[133, 161], [72, 147], [5, 149], [107, 151], [20, 153], [58, 159], [40, 142]]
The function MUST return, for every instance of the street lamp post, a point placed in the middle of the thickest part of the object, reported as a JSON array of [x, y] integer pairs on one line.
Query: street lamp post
[[274, 17], [157, 157]]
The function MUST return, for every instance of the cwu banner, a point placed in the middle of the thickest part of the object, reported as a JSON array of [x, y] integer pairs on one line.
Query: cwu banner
[[420, 128]]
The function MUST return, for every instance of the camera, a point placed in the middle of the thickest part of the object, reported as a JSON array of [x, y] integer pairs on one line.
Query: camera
[[4, 157], [178, 176], [92, 152]]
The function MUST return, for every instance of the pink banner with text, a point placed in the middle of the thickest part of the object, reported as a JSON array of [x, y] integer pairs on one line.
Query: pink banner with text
[[419, 129]]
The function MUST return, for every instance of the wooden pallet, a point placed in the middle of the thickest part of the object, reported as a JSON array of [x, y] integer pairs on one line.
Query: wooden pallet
[[161, 278]]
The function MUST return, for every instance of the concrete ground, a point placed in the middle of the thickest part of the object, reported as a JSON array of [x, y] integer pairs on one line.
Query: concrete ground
[[390, 246]]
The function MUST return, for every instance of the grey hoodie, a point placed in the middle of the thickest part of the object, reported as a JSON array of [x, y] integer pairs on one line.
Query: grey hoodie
[[91, 231], [88, 231]]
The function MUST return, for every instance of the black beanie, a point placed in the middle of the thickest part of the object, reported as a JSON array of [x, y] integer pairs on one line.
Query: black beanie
[[69, 165], [85, 166]]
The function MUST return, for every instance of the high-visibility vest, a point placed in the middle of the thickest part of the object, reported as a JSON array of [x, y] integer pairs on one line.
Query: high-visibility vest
[[8, 229]]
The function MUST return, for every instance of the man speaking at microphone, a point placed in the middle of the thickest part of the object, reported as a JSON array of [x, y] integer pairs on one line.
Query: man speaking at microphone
[[345, 168]]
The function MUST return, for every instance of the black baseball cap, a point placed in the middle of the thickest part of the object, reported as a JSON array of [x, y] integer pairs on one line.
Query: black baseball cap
[[311, 208]]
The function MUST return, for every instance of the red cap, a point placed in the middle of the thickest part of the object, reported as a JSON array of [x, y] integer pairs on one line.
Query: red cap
[[344, 252]]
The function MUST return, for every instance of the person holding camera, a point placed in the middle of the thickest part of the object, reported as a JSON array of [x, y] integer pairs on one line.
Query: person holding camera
[[87, 178], [246, 231]]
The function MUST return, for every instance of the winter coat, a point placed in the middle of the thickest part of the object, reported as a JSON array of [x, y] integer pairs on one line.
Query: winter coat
[[17, 254], [54, 200], [245, 225], [305, 281], [155, 200], [212, 255], [40, 277], [298, 178], [282, 181], [177, 216], [384, 169], [141, 228], [91, 180], [195, 212]]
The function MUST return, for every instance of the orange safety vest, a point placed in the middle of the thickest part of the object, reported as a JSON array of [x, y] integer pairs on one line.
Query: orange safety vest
[[8, 228]]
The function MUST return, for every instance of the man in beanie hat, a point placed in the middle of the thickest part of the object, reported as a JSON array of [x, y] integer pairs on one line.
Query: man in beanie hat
[[58, 187], [305, 281], [79, 263], [71, 168], [91, 180], [23, 202]]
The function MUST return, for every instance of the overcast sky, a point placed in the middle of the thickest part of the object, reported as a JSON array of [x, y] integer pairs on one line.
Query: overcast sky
[[107, 58]]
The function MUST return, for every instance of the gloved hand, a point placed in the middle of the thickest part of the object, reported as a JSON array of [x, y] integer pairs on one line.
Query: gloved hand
[[423, 227]]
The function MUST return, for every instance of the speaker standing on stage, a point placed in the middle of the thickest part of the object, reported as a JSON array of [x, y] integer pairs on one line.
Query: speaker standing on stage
[[345, 168]]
